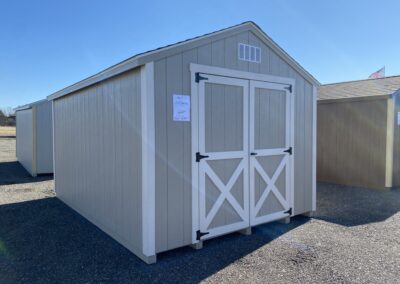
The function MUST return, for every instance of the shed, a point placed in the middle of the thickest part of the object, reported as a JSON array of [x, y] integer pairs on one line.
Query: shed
[[188, 142], [359, 133], [34, 145]]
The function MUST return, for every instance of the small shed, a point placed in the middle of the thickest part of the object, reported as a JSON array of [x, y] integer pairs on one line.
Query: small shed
[[188, 142], [34, 145], [359, 133]]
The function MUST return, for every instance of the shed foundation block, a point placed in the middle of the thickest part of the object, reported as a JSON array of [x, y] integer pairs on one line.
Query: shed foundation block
[[285, 220], [309, 214], [246, 231], [197, 246]]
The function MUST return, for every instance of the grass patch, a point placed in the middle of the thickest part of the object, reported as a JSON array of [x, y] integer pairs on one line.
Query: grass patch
[[7, 130]]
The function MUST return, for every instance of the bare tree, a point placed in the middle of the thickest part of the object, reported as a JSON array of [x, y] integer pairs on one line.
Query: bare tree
[[6, 111]]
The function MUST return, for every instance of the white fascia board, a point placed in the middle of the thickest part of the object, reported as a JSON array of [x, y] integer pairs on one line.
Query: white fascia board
[[353, 99]]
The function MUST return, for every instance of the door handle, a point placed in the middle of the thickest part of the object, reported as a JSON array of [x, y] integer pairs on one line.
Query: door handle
[[253, 154]]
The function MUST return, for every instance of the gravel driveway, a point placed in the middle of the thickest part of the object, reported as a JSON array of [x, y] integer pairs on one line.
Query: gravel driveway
[[354, 238]]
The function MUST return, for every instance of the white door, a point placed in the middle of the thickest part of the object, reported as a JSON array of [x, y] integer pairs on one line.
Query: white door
[[223, 155], [271, 149]]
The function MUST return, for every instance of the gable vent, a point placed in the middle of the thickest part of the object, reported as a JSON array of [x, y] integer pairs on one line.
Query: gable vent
[[249, 53]]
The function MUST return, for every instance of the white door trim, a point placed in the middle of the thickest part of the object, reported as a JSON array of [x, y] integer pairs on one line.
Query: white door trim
[[195, 148], [205, 170], [218, 71], [287, 160], [212, 70]]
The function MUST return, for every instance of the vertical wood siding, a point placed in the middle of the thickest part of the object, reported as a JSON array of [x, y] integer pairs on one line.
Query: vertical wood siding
[[98, 156], [44, 138], [25, 139], [173, 139], [352, 143]]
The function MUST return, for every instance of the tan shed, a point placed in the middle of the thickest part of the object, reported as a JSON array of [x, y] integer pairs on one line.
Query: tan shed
[[35, 137], [359, 133], [188, 142]]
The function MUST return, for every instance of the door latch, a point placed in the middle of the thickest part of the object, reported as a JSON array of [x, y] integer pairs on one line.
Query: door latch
[[199, 157]]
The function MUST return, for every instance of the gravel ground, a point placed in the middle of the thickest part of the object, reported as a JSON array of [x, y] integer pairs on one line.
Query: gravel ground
[[353, 238]]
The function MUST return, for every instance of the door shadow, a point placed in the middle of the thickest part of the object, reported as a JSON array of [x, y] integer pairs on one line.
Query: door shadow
[[353, 206], [13, 172], [46, 241]]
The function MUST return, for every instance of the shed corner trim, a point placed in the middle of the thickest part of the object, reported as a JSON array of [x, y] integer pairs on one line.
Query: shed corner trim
[[148, 158], [389, 142], [314, 150]]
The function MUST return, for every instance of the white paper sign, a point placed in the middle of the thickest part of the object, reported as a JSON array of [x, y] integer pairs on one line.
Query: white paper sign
[[398, 118], [181, 108]]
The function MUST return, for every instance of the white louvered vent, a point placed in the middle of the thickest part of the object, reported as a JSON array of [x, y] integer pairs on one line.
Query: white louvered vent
[[249, 53]]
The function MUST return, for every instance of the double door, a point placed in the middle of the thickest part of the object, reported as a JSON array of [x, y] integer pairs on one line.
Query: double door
[[244, 155]]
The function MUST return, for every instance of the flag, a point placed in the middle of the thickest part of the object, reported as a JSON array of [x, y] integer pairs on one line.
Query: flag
[[378, 74]]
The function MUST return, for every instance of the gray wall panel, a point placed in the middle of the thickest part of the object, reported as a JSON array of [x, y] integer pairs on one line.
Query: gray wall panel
[[173, 143], [44, 138], [98, 156], [24, 146], [352, 143]]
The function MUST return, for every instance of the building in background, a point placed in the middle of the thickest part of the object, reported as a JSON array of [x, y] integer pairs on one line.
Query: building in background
[[34, 145], [359, 133]]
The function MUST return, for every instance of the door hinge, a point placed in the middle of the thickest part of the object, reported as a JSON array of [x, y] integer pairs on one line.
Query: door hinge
[[199, 77], [199, 157], [289, 150], [200, 234], [288, 212], [289, 88]]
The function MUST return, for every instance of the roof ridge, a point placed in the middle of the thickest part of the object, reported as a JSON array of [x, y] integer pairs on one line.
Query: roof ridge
[[361, 80]]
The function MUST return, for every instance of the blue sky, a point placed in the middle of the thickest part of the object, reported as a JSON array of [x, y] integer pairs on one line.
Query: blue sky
[[47, 45]]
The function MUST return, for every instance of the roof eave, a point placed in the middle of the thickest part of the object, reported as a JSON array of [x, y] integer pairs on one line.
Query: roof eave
[[30, 105], [153, 55], [354, 99]]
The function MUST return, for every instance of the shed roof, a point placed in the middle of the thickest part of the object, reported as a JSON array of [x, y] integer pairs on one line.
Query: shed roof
[[30, 105], [145, 57], [359, 89]]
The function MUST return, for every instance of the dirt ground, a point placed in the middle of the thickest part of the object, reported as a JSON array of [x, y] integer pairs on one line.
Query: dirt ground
[[353, 238]]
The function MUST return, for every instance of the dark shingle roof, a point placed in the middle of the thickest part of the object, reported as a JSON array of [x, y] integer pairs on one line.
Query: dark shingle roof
[[358, 89]]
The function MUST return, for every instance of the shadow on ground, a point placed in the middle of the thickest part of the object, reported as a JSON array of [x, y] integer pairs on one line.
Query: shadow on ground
[[353, 206], [46, 241], [13, 172]]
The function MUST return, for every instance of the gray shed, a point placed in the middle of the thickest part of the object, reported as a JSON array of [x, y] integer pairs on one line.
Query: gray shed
[[190, 141], [359, 133], [35, 137]]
